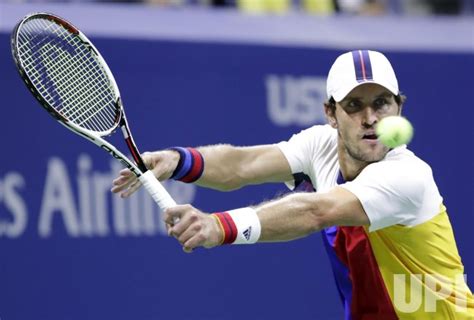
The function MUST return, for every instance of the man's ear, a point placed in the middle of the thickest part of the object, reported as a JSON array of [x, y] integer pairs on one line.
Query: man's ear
[[400, 107], [330, 115]]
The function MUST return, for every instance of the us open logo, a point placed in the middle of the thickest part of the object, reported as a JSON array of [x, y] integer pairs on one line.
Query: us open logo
[[295, 100]]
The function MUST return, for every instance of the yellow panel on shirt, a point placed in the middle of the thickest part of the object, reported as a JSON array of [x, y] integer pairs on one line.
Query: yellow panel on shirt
[[411, 257]]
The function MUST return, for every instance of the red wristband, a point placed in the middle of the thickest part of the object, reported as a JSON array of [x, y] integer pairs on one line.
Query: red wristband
[[228, 226]]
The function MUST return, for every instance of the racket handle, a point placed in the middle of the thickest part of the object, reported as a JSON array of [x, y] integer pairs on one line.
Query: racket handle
[[156, 190]]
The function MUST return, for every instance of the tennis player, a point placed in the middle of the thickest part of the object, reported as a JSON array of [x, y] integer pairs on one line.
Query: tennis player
[[379, 210]]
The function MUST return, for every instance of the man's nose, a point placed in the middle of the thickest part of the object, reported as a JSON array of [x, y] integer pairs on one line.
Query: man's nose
[[370, 117]]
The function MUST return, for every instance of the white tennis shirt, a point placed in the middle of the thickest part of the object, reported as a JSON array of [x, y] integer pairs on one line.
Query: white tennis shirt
[[399, 189]]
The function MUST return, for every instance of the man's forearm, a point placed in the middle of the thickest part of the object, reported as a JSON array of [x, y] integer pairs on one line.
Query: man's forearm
[[291, 217], [301, 214], [228, 168]]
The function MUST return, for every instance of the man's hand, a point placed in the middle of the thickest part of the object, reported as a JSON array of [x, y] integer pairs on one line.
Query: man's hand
[[194, 229], [161, 163]]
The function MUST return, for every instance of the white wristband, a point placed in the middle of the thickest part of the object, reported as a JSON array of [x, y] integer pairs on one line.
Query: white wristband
[[248, 225]]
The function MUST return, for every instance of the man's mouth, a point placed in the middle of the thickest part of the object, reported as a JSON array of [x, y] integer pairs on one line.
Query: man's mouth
[[369, 136]]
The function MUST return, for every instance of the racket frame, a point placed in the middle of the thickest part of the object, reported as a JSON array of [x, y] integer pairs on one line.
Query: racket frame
[[146, 177], [93, 136]]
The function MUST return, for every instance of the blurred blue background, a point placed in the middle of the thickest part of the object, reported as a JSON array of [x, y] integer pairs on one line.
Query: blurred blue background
[[190, 75]]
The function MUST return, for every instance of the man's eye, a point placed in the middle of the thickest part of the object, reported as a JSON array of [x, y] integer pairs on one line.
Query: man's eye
[[354, 104], [380, 102]]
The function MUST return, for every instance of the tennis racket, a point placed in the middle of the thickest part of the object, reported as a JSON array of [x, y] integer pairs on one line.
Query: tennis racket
[[71, 80]]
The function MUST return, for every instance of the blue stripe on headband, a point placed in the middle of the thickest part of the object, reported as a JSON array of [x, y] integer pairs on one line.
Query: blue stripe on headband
[[368, 65], [362, 65]]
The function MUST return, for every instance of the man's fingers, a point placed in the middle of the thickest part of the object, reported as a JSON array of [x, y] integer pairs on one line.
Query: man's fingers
[[179, 227], [127, 183], [126, 173], [121, 183], [176, 213], [120, 180], [168, 228], [187, 250], [131, 189], [193, 230], [196, 241]]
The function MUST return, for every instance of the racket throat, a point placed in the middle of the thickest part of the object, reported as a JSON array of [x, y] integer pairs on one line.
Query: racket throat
[[131, 146]]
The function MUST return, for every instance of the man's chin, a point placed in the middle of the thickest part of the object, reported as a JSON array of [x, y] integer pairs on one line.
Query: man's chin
[[374, 154]]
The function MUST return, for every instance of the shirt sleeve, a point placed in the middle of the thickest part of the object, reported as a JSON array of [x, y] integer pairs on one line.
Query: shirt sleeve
[[302, 147], [297, 149], [396, 192]]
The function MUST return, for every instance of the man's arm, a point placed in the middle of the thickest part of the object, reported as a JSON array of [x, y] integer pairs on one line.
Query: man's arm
[[225, 167], [300, 214], [229, 168], [291, 217]]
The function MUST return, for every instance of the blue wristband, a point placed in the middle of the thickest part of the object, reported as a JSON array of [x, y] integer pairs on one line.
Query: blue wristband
[[190, 165], [184, 164]]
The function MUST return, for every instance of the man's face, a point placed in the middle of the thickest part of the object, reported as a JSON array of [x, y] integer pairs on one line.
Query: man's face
[[356, 117]]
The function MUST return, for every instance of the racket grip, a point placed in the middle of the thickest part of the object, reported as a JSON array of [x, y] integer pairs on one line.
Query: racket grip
[[156, 190]]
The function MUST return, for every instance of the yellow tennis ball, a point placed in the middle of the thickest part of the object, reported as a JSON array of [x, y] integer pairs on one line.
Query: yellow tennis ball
[[394, 131]]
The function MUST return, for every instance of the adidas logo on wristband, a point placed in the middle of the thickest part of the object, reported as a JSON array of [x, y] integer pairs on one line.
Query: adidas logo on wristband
[[247, 233]]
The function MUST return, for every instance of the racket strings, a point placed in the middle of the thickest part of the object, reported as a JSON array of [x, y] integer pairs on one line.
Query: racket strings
[[86, 112], [82, 114], [67, 74], [61, 78]]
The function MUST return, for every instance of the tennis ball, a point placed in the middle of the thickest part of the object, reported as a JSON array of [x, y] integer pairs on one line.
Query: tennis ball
[[394, 131]]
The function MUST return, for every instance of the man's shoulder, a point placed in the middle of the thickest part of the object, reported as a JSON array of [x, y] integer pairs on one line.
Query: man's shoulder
[[402, 156], [323, 128], [401, 163], [319, 132]]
